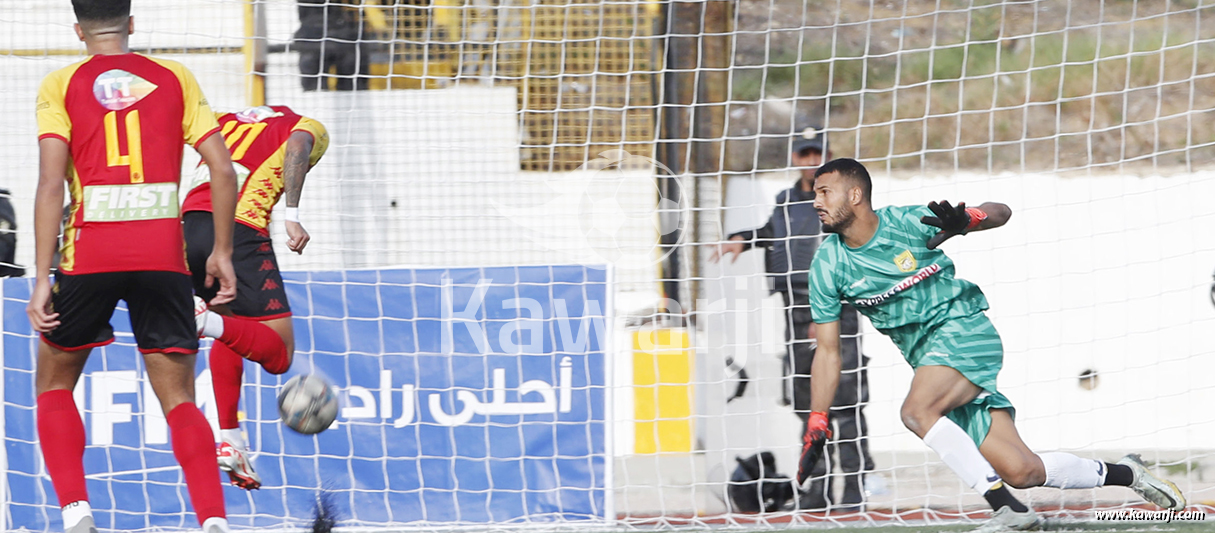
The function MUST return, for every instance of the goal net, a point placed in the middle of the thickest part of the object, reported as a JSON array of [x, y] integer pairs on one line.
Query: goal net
[[513, 276]]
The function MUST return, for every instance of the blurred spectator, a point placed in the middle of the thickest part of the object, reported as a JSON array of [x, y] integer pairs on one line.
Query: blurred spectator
[[790, 239], [8, 237], [330, 37]]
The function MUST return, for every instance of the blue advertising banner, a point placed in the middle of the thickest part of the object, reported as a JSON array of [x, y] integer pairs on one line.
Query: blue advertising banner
[[468, 396]]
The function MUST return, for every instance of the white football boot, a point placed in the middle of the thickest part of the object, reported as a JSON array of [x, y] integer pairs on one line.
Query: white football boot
[[233, 461], [1161, 492], [85, 525], [1008, 520]]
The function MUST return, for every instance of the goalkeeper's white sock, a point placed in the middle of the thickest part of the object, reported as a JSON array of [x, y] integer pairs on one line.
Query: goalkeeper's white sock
[[961, 455], [235, 437], [1066, 471], [74, 512]]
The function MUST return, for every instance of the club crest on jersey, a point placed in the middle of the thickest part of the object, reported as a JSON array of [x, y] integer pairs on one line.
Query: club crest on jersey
[[905, 261], [118, 89]]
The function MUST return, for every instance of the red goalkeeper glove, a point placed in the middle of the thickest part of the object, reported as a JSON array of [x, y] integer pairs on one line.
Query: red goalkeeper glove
[[813, 443]]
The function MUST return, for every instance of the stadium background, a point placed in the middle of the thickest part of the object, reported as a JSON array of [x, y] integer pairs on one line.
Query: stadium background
[[1096, 129]]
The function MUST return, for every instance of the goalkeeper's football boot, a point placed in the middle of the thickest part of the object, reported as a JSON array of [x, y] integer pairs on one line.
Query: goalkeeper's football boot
[[85, 525], [233, 461], [1008, 520], [1161, 492]]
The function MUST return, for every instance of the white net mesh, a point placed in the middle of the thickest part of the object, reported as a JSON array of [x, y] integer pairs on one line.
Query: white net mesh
[[636, 135]]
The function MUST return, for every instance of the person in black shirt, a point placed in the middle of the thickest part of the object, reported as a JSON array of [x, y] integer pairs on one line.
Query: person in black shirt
[[790, 239], [330, 36]]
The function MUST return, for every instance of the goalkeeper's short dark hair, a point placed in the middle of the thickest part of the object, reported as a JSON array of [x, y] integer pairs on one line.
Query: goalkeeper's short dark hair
[[851, 170], [101, 10]]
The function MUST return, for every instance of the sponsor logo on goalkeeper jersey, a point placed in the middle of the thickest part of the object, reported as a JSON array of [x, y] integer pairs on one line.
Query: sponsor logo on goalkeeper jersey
[[137, 201], [901, 286]]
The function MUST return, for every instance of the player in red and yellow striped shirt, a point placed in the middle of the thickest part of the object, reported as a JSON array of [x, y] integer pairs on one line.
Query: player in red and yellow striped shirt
[[112, 126], [273, 149]]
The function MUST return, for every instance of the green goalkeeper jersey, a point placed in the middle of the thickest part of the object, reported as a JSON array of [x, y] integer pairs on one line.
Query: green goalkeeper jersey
[[894, 279]]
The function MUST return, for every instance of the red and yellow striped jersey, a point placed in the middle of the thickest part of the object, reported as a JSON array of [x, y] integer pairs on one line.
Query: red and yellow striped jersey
[[257, 138], [125, 118]]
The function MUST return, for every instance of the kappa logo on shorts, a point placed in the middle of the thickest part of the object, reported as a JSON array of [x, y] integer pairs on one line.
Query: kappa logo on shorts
[[269, 285], [264, 248], [274, 305], [266, 265]]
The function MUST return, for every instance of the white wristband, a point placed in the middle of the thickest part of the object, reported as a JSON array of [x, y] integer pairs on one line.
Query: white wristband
[[292, 214]]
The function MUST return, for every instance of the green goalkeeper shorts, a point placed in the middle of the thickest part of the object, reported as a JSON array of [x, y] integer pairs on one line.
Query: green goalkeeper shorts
[[975, 417], [971, 345]]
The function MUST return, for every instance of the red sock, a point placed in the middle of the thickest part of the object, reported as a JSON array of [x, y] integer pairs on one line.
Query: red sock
[[256, 342], [194, 448], [61, 435], [227, 369]]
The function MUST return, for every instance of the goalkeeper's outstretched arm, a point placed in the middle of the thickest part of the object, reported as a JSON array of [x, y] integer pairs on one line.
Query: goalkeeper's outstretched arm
[[825, 371], [997, 215], [959, 220]]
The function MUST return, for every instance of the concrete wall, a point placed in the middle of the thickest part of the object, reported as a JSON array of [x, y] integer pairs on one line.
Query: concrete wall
[[1104, 272], [422, 178]]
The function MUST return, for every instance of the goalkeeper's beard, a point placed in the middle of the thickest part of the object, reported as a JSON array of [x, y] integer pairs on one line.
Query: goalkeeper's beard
[[840, 220]]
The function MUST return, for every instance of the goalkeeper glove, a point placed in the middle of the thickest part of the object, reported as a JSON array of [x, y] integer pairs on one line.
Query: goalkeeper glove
[[951, 221], [813, 443]]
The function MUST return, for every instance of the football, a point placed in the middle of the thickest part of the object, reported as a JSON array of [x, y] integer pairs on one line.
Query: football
[[307, 404]]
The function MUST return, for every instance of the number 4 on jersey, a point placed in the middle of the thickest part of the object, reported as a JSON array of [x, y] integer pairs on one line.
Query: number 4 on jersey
[[113, 152]]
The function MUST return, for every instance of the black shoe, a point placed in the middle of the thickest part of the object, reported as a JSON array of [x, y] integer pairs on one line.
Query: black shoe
[[812, 500]]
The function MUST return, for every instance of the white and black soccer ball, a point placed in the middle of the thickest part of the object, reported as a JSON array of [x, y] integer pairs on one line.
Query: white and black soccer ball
[[307, 404]]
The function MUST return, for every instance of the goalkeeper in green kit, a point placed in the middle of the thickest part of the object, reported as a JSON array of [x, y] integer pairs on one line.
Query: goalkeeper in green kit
[[886, 264]]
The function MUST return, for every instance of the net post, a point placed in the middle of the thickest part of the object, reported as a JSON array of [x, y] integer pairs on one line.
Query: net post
[[609, 398], [254, 50]]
